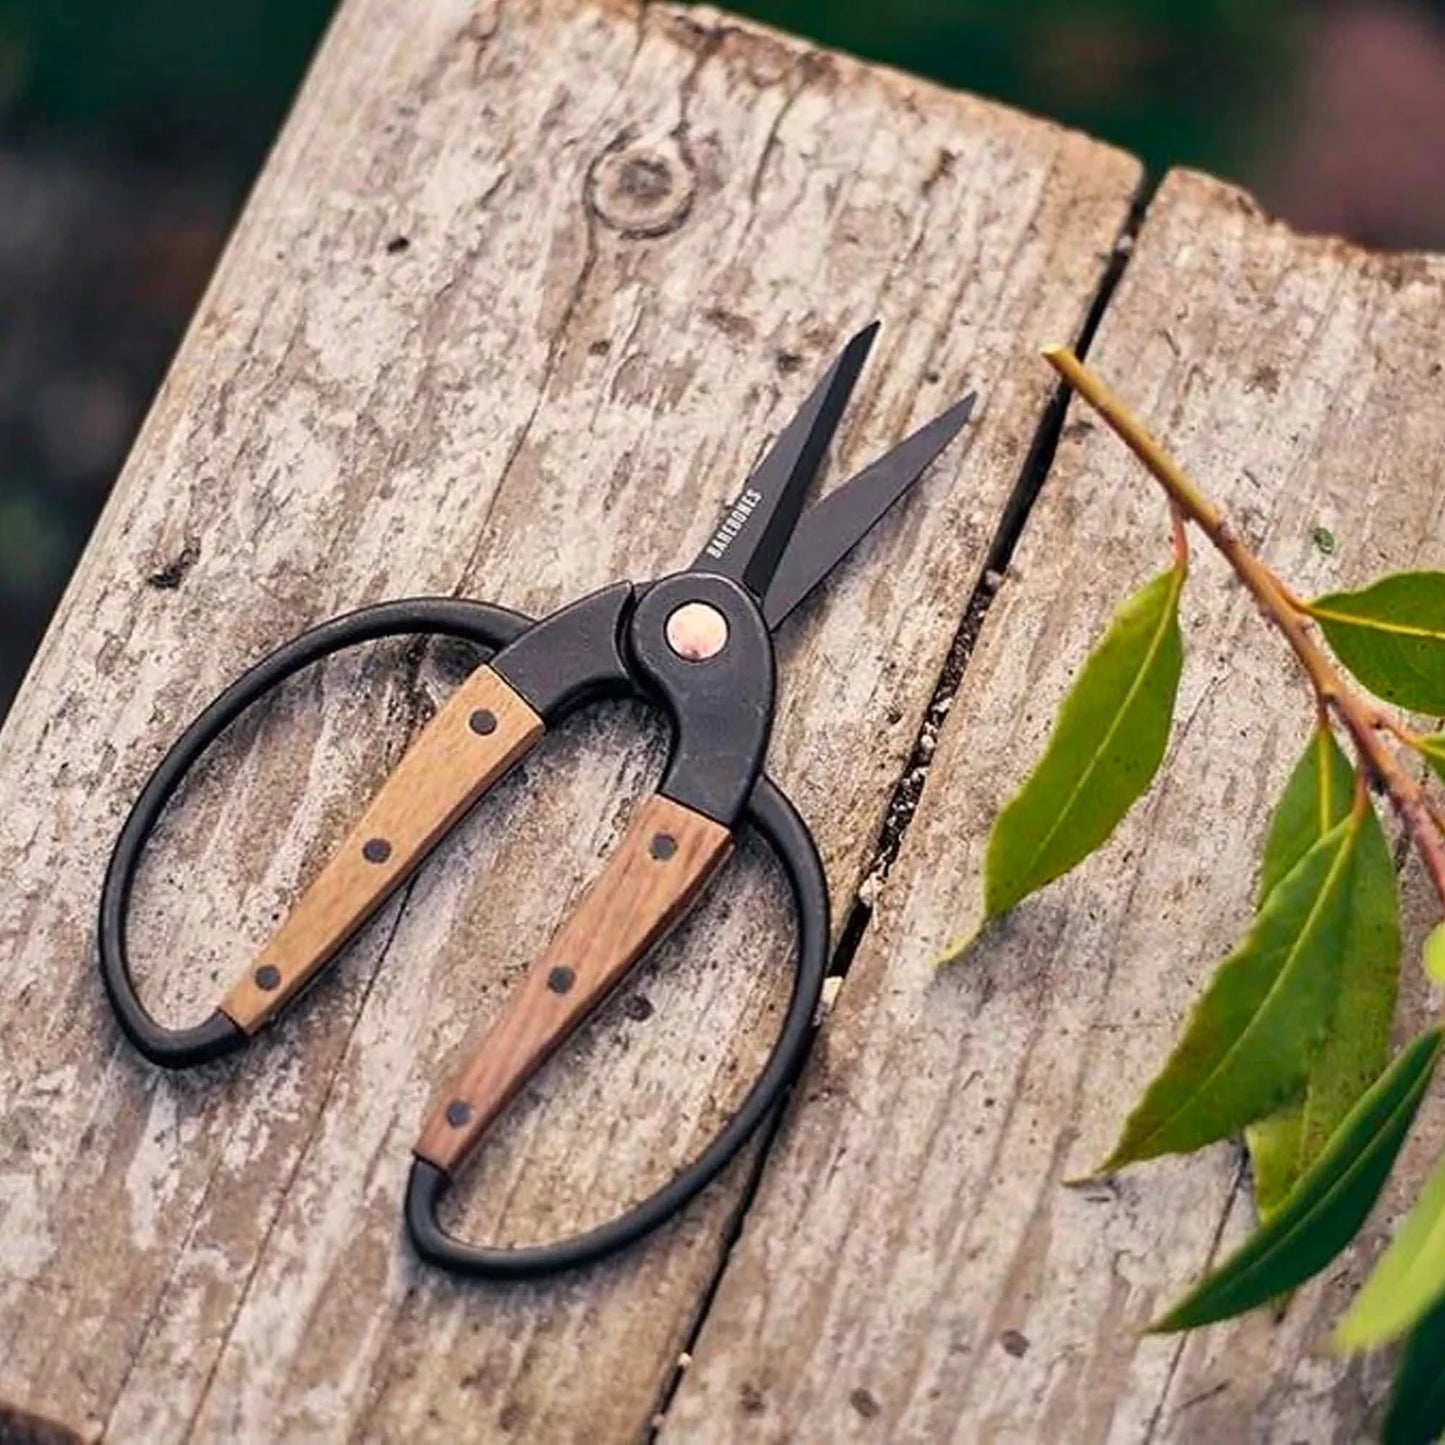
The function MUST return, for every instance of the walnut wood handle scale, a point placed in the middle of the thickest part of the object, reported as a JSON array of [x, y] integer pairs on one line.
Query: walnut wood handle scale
[[480, 733], [656, 873]]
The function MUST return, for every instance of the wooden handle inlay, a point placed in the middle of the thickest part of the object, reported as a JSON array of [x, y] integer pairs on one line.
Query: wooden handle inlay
[[666, 856], [480, 733]]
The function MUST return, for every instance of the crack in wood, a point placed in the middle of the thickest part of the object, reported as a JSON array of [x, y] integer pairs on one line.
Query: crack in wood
[[912, 781]]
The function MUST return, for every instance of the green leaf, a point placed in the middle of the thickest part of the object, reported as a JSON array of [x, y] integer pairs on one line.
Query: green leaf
[[1417, 1403], [1327, 1207], [1408, 1281], [1391, 635], [1248, 1042], [1317, 796], [1435, 953], [1276, 1147], [1356, 1045], [1432, 749], [1106, 747]]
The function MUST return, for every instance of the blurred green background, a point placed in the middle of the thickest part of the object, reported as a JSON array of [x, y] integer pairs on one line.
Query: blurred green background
[[130, 133]]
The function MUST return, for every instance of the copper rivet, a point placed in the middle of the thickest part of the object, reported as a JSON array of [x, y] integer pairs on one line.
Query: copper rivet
[[376, 850], [697, 631], [561, 979], [663, 846], [268, 976], [483, 721], [459, 1112]]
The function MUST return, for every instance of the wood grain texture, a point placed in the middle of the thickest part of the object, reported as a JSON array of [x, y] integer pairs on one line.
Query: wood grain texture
[[481, 733], [913, 1267], [520, 296], [664, 860]]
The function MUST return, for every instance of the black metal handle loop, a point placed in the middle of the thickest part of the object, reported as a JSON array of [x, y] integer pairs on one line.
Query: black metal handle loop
[[488, 626], [774, 816]]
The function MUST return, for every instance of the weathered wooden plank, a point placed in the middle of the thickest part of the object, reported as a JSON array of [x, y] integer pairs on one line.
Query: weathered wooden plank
[[517, 300], [913, 1268]]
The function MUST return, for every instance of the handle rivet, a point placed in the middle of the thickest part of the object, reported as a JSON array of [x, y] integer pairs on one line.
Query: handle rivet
[[376, 850], [561, 979], [663, 846], [459, 1113], [696, 631], [268, 976], [483, 721]]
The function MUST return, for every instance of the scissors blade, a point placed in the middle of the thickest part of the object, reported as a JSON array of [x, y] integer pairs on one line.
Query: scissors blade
[[753, 536], [832, 528]]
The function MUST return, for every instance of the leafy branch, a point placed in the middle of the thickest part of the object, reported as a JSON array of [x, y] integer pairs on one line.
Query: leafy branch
[[1363, 721], [1290, 1042]]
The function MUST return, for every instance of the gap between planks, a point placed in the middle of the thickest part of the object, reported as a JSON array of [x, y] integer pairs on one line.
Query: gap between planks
[[908, 791]]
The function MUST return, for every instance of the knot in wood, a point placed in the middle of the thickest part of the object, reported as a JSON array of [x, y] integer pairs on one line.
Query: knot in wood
[[643, 190]]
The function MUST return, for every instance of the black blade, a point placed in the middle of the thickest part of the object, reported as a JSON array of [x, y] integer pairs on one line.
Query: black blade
[[752, 538], [830, 530]]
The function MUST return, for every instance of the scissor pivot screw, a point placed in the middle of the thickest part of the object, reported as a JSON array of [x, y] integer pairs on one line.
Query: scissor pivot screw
[[697, 631]]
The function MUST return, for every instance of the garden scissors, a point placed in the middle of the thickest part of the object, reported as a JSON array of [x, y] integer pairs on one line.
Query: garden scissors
[[699, 644]]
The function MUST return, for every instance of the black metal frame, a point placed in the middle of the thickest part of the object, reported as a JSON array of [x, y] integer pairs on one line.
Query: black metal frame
[[609, 643], [774, 816], [478, 622]]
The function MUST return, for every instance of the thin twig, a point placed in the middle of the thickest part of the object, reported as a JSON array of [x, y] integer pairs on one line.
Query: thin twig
[[1356, 715], [1436, 815], [1177, 520], [1361, 800], [1396, 729], [1290, 596]]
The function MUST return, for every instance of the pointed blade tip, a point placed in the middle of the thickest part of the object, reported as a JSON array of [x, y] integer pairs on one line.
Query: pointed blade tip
[[933, 437], [863, 339], [949, 423], [962, 410], [786, 471]]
